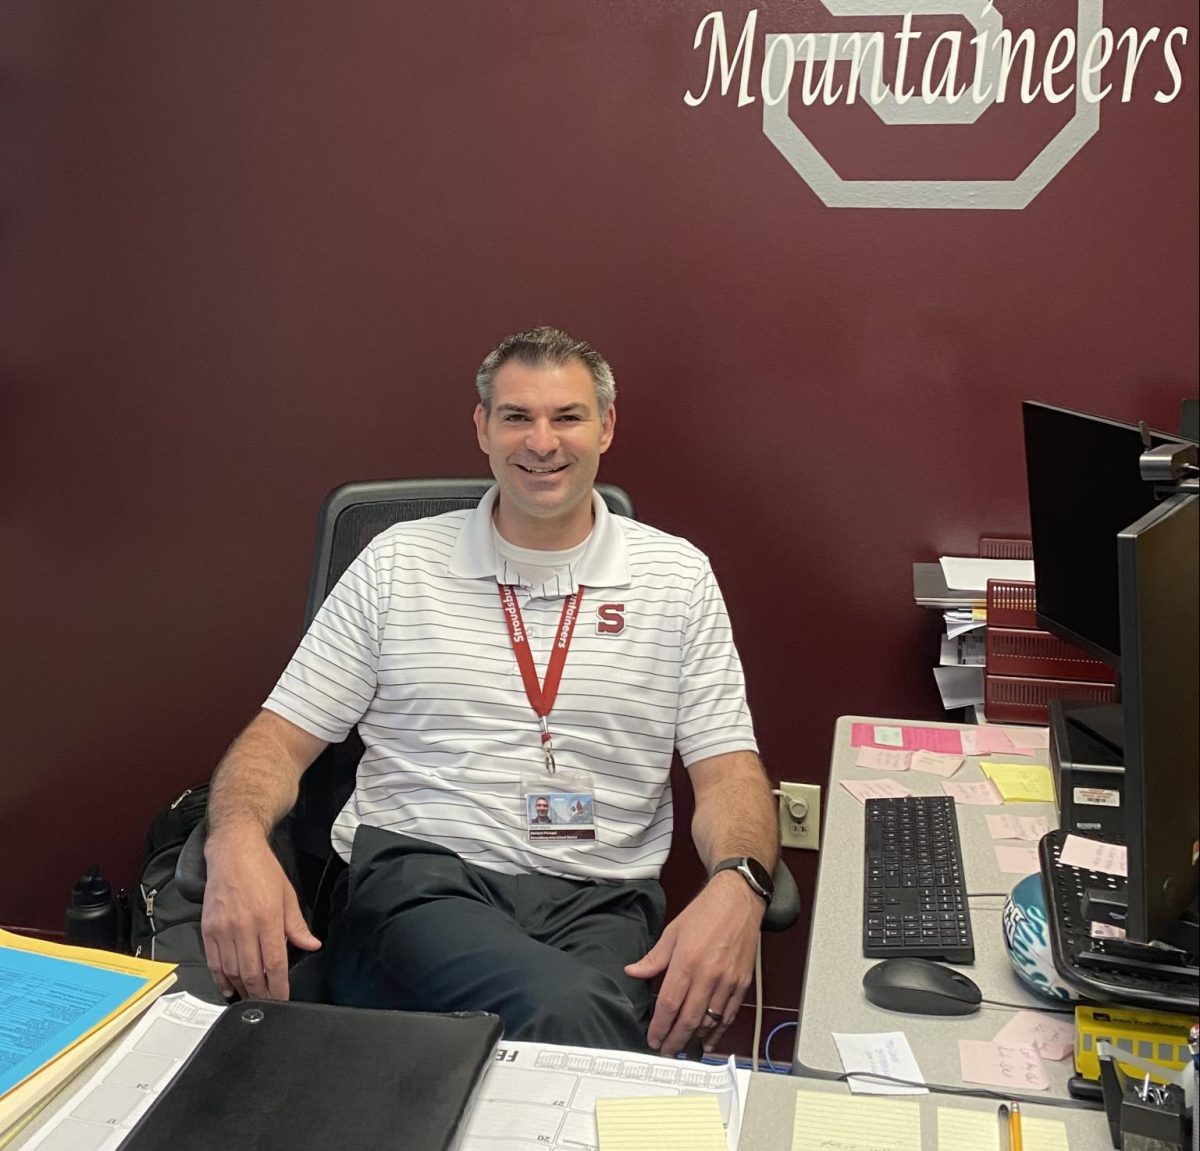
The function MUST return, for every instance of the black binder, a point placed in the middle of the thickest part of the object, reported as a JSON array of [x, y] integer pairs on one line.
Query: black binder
[[273, 1076]]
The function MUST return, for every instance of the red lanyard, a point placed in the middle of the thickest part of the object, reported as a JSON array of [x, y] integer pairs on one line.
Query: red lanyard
[[541, 695]]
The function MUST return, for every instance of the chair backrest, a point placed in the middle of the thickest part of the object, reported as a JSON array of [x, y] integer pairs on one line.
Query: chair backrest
[[351, 516]]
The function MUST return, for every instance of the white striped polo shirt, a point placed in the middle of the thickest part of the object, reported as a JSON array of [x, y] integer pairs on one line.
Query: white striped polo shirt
[[412, 646]]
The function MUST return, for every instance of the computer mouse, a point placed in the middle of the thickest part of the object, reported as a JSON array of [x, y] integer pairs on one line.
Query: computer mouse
[[920, 987]]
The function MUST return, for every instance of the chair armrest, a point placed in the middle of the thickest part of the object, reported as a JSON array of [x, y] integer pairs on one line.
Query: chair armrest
[[784, 908], [191, 870]]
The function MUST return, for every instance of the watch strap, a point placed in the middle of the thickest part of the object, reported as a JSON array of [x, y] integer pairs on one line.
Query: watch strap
[[739, 863]]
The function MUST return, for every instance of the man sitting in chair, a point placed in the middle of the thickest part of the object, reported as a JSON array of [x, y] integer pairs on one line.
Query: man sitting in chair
[[535, 646]]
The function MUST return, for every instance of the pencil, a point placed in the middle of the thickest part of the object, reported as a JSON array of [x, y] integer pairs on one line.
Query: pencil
[[1005, 1129], [1014, 1126]]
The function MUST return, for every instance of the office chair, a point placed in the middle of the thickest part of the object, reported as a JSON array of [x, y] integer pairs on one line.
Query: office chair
[[350, 517]]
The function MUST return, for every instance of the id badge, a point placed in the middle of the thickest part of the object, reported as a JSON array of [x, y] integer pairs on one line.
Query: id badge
[[559, 806]]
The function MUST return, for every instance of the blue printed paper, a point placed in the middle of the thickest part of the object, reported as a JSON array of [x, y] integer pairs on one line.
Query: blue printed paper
[[46, 1004]]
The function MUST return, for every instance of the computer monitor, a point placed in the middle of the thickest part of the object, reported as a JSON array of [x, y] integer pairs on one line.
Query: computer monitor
[[1158, 560], [1084, 487]]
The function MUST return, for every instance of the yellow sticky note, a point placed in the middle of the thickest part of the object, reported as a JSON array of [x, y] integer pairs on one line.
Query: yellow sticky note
[[855, 1123], [664, 1122], [1021, 782], [962, 1130]]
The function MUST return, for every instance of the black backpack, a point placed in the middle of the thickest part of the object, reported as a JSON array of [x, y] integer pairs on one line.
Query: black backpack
[[163, 924]]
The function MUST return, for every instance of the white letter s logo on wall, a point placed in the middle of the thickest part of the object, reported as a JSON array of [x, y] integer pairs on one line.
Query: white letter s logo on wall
[[898, 109]]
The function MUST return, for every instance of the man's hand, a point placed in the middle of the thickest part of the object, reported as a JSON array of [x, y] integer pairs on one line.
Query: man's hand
[[250, 915], [707, 952]]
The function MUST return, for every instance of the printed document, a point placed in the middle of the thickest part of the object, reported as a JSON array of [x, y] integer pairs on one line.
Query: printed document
[[99, 1113], [541, 1097]]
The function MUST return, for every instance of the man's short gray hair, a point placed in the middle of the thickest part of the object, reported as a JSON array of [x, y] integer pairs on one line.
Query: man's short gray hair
[[546, 347]]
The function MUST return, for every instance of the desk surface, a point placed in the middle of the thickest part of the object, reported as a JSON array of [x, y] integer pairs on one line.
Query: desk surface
[[771, 1109], [832, 997]]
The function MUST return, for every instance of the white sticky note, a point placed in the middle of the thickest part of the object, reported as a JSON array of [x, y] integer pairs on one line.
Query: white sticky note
[[1092, 855], [889, 736], [825, 1120], [883, 1053]]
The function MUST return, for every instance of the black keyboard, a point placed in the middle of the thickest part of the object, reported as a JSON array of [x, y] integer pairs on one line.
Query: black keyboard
[[914, 895], [1108, 970]]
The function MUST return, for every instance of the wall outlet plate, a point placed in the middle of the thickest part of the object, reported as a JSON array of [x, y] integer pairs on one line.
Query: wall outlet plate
[[804, 831]]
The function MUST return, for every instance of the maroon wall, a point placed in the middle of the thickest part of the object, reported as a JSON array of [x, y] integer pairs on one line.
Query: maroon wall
[[250, 251]]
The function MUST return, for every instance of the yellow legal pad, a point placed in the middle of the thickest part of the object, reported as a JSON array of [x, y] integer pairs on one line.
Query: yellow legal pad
[[962, 1130], [1021, 782], [664, 1122], [853, 1123]]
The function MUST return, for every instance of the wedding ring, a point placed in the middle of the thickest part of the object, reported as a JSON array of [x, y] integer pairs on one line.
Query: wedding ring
[[715, 1016]]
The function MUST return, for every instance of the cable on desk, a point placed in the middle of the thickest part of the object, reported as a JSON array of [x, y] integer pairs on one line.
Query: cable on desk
[[767, 1046], [1029, 1007], [989, 894], [984, 1092], [758, 1003]]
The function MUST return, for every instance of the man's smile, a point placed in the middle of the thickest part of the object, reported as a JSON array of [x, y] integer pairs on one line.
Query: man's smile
[[534, 470]]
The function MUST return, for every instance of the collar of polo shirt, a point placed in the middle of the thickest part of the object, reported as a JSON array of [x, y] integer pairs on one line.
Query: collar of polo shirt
[[605, 562]]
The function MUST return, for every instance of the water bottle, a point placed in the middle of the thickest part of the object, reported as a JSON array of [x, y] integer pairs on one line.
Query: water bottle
[[92, 913]]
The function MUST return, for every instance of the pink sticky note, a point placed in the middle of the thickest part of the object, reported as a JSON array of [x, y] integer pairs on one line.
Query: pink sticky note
[[864, 789], [987, 741], [1053, 1037], [983, 792], [883, 759], [1092, 855], [1017, 826], [935, 763], [1016, 860], [944, 739], [1018, 1068], [1037, 738]]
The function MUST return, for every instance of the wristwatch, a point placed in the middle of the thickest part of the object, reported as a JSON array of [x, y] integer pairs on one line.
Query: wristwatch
[[753, 872]]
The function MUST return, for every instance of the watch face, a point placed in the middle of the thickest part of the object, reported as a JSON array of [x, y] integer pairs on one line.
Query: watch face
[[761, 876]]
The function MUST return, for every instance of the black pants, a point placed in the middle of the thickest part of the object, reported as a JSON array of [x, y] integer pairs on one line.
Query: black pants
[[416, 928]]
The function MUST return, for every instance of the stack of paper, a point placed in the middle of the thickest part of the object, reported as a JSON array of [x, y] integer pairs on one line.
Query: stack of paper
[[931, 590], [59, 1006], [958, 584], [960, 670], [970, 574]]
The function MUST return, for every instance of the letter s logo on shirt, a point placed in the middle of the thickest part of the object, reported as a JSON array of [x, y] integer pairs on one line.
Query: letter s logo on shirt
[[611, 619]]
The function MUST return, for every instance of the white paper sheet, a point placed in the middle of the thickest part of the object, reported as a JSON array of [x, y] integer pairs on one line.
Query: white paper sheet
[[959, 686], [120, 1090], [884, 1053], [968, 573]]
